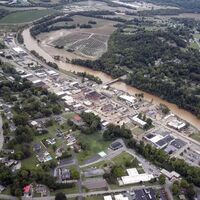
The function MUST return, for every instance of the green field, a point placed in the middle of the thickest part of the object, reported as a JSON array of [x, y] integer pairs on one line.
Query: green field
[[95, 143], [196, 136], [66, 190], [194, 45], [123, 158], [25, 16]]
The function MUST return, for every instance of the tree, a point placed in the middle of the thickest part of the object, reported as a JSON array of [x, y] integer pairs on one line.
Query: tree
[[190, 192], [165, 110], [60, 196], [117, 171], [162, 179], [74, 173], [176, 188], [184, 184]]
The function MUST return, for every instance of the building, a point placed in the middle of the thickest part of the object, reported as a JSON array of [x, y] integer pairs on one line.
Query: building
[[142, 194], [38, 83], [176, 124], [19, 51], [52, 73], [128, 99], [37, 147], [137, 121], [116, 145], [77, 120], [121, 197], [28, 190], [108, 197], [170, 175], [134, 177], [159, 141]]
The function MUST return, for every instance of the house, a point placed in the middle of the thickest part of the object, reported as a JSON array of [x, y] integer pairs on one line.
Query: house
[[77, 120], [2, 188], [42, 190], [34, 123], [170, 175], [37, 147], [116, 145], [27, 190]]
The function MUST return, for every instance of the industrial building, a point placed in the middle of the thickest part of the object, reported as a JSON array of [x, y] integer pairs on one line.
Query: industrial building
[[137, 121], [134, 177]]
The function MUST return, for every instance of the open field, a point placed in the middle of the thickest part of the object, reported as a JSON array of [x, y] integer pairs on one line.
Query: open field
[[25, 16], [82, 43], [196, 136], [45, 2], [66, 191], [94, 143], [122, 159], [20, 8]]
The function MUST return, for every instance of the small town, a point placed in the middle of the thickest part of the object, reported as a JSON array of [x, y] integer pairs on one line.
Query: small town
[[99, 100], [65, 147]]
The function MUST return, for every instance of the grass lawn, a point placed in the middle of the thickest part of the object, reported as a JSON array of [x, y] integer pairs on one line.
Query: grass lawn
[[196, 136], [30, 163], [68, 115], [97, 165], [123, 158], [6, 191], [194, 45], [95, 144], [196, 36], [66, 191], [25, 16], [96, 197]]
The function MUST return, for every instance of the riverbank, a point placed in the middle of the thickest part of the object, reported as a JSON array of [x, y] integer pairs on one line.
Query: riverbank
[[31, 44]]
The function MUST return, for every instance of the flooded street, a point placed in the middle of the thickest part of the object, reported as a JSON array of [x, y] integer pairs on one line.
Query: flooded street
[[32, 44]]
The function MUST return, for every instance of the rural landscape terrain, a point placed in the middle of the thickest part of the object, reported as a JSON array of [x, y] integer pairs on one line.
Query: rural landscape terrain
[[100, 100]]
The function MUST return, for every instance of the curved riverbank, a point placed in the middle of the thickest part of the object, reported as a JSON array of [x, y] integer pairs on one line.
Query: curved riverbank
[[31, 44]]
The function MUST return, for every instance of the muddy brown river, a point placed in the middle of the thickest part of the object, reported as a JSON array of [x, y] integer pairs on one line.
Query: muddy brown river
[[31, 44]]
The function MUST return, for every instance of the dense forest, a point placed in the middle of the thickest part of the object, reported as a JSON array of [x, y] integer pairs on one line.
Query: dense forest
[[159, 62]]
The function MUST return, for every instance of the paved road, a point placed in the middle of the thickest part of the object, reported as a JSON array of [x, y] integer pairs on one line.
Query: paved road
[[1, 133], [168, 185], [7, 197], [97, 192], [147, 166]]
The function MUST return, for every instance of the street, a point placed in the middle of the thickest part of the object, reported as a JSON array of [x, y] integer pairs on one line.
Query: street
[[1, 133]]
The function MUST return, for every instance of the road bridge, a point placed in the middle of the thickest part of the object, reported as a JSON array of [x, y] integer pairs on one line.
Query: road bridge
[[121, 78]]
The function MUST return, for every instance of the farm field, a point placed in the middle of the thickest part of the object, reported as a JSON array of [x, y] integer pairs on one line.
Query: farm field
[[25, 16], [83, 43], [89, 44], [45, 2]]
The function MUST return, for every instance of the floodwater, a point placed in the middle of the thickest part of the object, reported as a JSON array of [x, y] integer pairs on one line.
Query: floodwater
[[32, 44]]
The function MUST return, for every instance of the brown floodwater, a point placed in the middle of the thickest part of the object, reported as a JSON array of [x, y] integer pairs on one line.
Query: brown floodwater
[[31, 44]]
